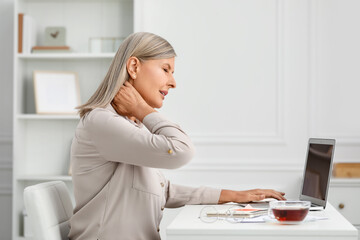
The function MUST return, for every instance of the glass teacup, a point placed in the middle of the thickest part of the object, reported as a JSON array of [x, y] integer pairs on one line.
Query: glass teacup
[[289, 211]]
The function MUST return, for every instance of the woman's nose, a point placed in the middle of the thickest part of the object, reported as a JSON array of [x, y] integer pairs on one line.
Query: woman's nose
[[172, 82]]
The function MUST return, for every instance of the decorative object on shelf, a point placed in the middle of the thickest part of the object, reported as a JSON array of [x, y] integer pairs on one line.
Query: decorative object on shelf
[[54, 41], [105, 44], [26, 33], [56, 92], [51, 49], [55, 36], [346, 170]]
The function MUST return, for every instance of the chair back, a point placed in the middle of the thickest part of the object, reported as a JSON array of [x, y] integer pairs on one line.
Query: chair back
[[49, 209]]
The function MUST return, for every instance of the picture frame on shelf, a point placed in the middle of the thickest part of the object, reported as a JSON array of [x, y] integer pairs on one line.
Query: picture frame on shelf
[[56, 92]]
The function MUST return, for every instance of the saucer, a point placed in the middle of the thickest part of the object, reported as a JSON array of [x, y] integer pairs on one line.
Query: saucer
[[273, 220]]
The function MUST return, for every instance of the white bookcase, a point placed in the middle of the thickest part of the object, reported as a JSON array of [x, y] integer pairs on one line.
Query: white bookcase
[[42, 142]]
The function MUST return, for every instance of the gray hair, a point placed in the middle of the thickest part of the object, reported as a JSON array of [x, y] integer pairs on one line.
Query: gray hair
[[142, 45]]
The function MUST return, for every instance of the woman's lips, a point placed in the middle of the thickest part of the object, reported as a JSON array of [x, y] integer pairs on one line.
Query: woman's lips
[[164, 93]]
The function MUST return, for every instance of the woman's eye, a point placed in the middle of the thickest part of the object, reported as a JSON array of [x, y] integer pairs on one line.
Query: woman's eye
[[166, 70]]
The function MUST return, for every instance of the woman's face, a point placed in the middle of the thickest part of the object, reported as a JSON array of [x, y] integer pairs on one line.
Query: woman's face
[[153, 80]]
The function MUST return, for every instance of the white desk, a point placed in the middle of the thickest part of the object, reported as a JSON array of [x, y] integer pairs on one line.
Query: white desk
[[188, 226]]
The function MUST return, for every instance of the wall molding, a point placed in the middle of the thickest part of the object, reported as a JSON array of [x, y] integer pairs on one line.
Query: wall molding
[[260, 139], [312, 64], [253, 165], [277, 136], [348, 141], [314, 78], [138, 15], [244, 167], [219, 139], [351, 182]]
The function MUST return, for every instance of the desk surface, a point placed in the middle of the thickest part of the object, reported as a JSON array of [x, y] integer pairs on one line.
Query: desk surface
[[187, 225]]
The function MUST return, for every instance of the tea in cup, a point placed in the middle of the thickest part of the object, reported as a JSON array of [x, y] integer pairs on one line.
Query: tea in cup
[[289, 211]]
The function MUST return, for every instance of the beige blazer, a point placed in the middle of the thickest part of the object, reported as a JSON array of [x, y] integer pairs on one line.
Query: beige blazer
[[120, 192]]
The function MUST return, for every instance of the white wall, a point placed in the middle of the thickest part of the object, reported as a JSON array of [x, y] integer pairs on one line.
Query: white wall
[[256, 79], [6, 68]]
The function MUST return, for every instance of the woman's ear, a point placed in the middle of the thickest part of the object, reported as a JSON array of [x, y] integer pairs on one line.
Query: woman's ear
[[132, 66]]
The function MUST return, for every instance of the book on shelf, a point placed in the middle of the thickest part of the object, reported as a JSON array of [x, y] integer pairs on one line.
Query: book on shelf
[[51, 49], [27, 36], [20, 32]]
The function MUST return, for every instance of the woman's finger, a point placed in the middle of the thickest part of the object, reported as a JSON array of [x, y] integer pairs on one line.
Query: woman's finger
[[258, 197], [277, 195], [272, 193], [280, 195]]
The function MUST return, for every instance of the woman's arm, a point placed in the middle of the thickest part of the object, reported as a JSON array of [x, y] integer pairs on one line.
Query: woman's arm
[[165, 145], [249, 195], [178, 195]]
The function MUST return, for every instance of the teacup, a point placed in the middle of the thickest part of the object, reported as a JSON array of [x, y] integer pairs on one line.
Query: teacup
[[289, 211]]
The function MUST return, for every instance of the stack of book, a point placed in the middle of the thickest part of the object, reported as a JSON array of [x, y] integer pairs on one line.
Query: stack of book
[[26, 34], [51, 49]]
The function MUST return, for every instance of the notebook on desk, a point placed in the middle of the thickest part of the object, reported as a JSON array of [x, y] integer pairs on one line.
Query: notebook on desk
[[317, 173]]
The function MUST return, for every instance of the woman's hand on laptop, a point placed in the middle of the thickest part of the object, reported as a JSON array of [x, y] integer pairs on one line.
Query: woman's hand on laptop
[[249, 195]]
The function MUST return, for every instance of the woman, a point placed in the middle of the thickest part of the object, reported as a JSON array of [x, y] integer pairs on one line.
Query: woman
[[120, 144]]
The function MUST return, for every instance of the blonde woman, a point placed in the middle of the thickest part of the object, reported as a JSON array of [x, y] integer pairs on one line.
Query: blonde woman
[[121, 143]]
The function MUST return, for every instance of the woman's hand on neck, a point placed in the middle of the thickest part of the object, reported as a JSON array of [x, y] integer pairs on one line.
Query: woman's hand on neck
[[128, 102]]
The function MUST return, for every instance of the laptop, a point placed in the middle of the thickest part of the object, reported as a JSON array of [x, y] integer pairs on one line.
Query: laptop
[[317, 174]]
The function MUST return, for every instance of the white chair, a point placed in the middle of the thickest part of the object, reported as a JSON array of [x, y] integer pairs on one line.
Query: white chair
[[49, 209]]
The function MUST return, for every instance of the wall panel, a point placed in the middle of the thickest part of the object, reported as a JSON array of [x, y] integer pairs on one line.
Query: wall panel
[[334, 98]]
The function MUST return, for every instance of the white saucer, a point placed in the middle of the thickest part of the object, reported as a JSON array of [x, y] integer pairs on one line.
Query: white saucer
[[273, 220]]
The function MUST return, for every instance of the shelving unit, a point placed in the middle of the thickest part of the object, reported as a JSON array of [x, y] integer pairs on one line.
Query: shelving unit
[[66, 56], [46, 117], [64, 178], [41, 146]]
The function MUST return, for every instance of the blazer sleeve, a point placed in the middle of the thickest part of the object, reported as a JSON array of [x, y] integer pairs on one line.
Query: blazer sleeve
[[178, 196], [165, 145]]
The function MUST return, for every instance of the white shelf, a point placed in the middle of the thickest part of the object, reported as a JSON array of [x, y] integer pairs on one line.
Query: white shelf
[[66, 56], [44, 178], [348, 182], [46, 117], [42, 142], [22, 238]]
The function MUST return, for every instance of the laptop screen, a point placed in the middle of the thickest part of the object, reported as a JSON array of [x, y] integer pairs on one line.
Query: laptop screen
[[318, 165]]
